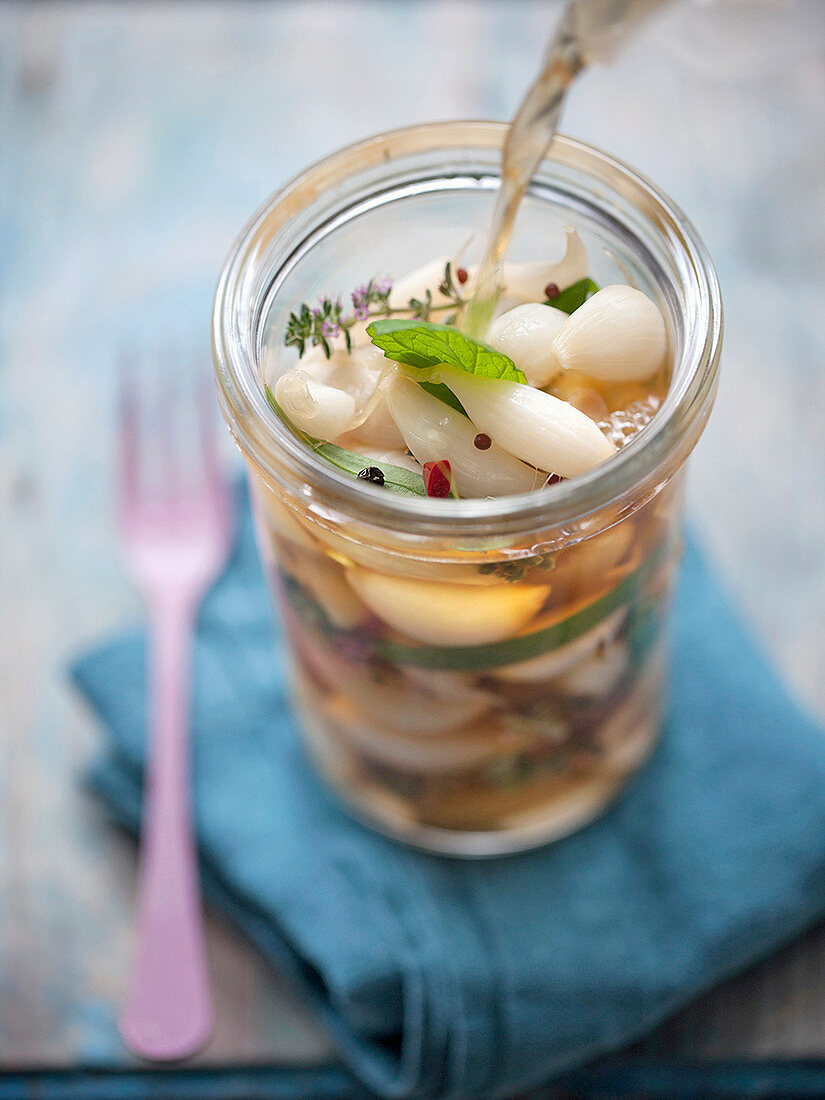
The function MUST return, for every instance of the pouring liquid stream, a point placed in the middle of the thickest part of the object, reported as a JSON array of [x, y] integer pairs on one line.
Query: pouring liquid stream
[[589, 30]]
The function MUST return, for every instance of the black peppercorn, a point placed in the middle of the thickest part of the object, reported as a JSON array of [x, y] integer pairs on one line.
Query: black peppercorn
[[373, 474]]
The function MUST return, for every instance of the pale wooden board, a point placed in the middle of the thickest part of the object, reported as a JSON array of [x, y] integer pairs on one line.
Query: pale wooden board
[[136, 140]]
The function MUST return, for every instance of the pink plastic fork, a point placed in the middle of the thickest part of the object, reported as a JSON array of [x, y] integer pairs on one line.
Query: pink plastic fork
[[176, 526]]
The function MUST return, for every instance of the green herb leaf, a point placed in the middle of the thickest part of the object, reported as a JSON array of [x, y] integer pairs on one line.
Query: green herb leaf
[[425, 345], [439, 390], [396, 478], [573, 296]]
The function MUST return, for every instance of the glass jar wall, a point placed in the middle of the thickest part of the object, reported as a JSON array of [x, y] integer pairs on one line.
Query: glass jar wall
[[473, 676]]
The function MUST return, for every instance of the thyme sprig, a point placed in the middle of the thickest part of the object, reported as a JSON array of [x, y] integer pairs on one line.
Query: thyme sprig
[[515, 570], [319, 325]]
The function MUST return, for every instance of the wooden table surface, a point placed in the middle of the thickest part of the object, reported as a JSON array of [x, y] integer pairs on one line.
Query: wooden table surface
[[135, 140]]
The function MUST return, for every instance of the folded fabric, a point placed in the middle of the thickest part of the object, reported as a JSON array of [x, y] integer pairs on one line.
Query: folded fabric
[[609, 1079], [445, 978]]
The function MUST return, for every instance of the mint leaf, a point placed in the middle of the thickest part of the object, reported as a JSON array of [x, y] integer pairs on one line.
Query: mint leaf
[[424, 345], [573, 296], [396, 478], [439, 390]]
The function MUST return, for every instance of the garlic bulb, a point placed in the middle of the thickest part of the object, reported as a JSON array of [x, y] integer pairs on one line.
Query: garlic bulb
[[433, 431], [526, 334], [527, 281], [313, 406], [618, 335], [530, 424], [448, 614]]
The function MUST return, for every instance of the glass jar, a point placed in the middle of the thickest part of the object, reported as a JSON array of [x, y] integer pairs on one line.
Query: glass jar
[[471, 676]]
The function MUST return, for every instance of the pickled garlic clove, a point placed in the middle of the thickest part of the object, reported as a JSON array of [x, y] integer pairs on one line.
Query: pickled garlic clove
[[416, 284], [313, 406], [324, 579], [357, 373], [434, 431], [599, 674], [530, 424], [618, 335], [526, 281], [564, 658], [390, 700], [463, 749], [587, 562], [445, 614], [630, 731], [449, 685], [328, 397], [526, 334], [336, 597], [378, 432], [277, 520]]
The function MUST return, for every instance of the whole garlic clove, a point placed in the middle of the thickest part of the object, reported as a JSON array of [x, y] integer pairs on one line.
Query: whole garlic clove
[[564, 658], [530, 424], [277, 520], [526, 334], [357, 373], [394, 704], [378, 432], [416, 284], [597, 676], [526, 281], [618, 335], [313, 406], [325, 579], [434, 431], [442, 614], [425, 752]]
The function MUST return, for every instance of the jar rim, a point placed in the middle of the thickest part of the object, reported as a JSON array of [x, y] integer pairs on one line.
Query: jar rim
[[259, 432]]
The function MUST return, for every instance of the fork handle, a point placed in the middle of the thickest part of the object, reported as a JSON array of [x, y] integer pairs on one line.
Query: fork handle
[[167, 1013]]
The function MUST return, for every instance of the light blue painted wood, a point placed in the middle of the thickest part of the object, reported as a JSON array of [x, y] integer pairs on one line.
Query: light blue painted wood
[[136, 140]]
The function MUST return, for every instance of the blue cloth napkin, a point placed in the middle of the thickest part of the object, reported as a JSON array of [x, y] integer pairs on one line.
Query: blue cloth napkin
[[442, 978]]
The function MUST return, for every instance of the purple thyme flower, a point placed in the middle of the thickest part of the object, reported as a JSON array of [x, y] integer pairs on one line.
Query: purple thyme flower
[[382, 287], [360, 302], [330, 329]]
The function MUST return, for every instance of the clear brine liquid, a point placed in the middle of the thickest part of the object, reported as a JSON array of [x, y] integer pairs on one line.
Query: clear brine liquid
[[589, 30]]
